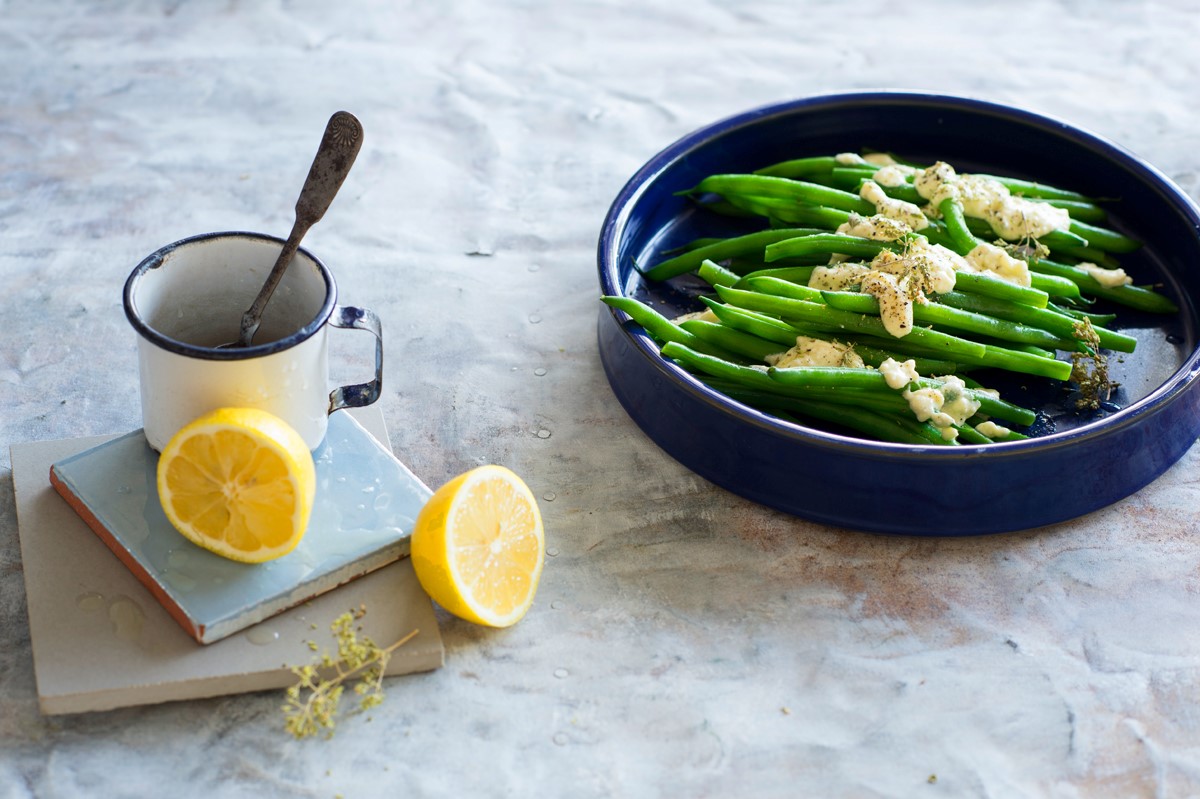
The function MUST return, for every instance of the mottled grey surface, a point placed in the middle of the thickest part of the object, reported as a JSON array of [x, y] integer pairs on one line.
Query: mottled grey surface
[[684, 642]]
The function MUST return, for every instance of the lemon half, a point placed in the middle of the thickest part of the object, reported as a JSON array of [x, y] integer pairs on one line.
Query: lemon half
[[478, 546], [239, 482]]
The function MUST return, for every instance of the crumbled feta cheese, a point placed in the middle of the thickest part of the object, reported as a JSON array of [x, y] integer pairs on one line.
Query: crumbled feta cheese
[[992, 430], [948, 405], [898, 375], [995, 261], [876, 228], [934, 264], [1011, 217], [837, 278], [895, 307], [891, 176], [892, 208], [1109, 278]]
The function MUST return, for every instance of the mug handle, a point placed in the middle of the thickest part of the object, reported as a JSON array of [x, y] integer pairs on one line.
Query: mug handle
[[358, 394]]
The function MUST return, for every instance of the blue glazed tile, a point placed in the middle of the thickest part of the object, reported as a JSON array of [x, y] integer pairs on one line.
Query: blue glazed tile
[[365, 506]]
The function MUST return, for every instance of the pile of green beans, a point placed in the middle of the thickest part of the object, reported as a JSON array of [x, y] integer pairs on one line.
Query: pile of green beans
[[761, 302]]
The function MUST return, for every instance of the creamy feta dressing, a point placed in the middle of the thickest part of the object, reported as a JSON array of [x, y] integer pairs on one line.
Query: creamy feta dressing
[[992, 430], [894, 175], [993, 260], [905, 212], [1011, 217], [849, 159], [817, 352], [934, 263], [959, 404], [948, 405], [837, 278], [895, 307], [1109, 278], [898, 375], [876, 228]]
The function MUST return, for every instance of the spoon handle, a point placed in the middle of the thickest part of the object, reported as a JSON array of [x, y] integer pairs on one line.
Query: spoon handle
[[339, 147]]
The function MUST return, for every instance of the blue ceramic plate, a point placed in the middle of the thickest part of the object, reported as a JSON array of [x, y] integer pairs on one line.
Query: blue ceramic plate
[[1080, 462]]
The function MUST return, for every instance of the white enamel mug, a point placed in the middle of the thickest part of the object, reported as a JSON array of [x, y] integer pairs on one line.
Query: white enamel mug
[[187, 299]]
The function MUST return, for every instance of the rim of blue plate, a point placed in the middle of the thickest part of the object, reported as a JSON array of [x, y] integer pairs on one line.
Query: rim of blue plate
[[622, 206]]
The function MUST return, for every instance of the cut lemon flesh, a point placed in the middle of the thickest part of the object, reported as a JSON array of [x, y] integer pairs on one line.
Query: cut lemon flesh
[[239, 482], [478, 546]]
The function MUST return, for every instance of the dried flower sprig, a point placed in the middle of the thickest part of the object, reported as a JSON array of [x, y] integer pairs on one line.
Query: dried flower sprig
[[312, 703]]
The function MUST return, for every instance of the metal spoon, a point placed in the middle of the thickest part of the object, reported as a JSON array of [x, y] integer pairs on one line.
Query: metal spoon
[[339, 147]]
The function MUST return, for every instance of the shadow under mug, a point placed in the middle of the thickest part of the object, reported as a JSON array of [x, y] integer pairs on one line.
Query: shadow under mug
[[187, 299]]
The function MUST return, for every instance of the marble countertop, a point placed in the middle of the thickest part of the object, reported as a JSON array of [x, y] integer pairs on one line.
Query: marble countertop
[[684, 642]]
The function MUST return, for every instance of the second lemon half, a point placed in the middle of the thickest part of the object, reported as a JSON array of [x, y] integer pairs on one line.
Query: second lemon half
[[478, 546]]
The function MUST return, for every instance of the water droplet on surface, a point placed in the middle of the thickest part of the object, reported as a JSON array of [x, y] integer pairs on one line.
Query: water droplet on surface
[[560, 738], [539, 371], [1174, 339], [262, 637], [556, 605], [561, 673], [89, 602], [179, 581], [124, 489], [382, 501], [534, 267], [543, 433], [127, 618], [552, 552], [549, 496], [534, 318]]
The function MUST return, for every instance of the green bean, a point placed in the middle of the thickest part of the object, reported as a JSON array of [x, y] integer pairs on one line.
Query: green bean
[[714, 274], [934, 313], [1129, 295], [956, 225], [824, 243], [726, 248], [785, 288], [800, 167], [988, 286], [1015, 361], [783, 188], [1079, 210], [1090, 254], [1056, 323], [1053, 285], [696, 361], [792, 274], [1098, 320], [1056, 240], [731, 340], [873, 379], [872, 352], [1034, 189], [881, 401], [896, 429], [662, 329], [824, 317], [761, 325]]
